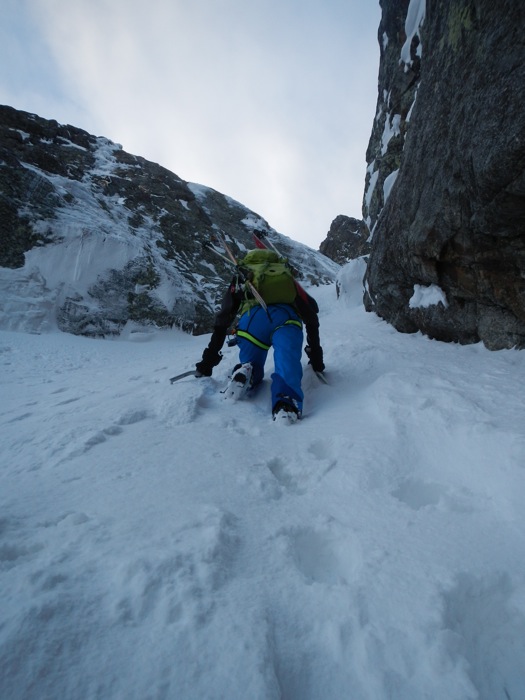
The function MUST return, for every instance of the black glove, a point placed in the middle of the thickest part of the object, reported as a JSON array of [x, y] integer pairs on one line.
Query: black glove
[[210, 359], [316, 357]]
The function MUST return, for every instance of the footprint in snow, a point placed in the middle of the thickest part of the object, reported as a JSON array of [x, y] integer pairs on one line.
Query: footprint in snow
[[303, 471], [68, 401], [321, 450], [284, 475], [12, 553], [133, 416], [326, 555], [19, 418], [484, 615], [417, 494], [129, 418], [16, 545], [181, 583]]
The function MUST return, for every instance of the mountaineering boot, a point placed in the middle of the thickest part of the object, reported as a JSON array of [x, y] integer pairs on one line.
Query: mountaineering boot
[[240, 382], [285, 412]]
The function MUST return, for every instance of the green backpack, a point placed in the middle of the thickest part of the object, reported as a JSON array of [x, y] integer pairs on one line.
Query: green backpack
[[270, 275]]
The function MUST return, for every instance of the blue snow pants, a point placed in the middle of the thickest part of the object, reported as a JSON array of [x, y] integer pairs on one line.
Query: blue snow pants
[[282, 328]]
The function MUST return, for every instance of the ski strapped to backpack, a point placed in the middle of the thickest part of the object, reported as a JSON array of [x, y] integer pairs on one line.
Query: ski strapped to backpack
[[267, 275], [248, 282]]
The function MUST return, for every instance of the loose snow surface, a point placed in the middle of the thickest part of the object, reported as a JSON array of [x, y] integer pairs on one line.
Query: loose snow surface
[[158, 541]]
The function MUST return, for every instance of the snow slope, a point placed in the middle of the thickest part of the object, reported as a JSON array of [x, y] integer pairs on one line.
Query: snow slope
[[157, 541]]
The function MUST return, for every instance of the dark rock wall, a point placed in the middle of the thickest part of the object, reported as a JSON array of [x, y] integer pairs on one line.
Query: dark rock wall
[[455, 216], [347, 239]]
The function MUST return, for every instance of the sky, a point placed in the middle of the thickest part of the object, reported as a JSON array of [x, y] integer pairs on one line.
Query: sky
[[159, 541], [269, 102]]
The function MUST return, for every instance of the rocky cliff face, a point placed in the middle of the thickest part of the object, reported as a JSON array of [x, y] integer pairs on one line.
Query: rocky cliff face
[[92, 237], [445, 189], [347, 239]]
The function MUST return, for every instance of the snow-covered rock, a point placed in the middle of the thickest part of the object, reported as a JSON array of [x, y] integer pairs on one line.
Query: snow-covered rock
[[94, 238]]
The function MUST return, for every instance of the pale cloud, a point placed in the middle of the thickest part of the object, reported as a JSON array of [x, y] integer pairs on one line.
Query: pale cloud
[[270, 102]]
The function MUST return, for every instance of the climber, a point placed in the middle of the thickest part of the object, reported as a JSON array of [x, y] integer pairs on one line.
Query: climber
[[272, 308]]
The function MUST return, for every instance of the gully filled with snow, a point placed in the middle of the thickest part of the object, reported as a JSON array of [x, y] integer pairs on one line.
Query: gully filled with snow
[[158, 541]]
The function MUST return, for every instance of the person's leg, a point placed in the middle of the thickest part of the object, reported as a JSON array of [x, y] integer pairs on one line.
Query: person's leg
[[256, 356], [253, 340], [287, 344]]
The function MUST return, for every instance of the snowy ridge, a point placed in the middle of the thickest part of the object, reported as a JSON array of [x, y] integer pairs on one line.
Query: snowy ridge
[[157, 541], [91, 240], [111, 239]]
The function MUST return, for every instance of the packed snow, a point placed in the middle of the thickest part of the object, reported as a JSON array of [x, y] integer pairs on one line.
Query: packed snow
[[389, 183], [392, 128], [423, 297], [158, 541], [414, 19]]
